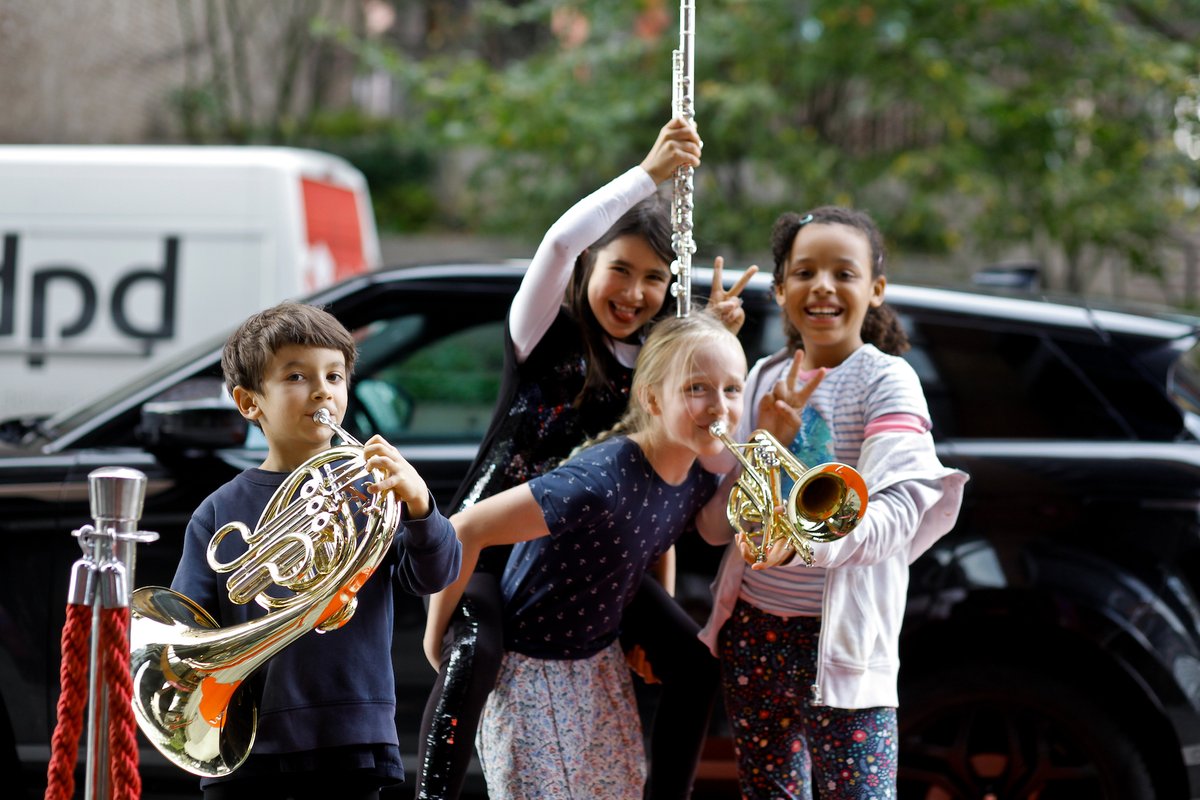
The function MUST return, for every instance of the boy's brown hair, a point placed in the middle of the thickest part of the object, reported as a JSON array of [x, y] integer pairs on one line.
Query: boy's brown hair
[[249, 348]]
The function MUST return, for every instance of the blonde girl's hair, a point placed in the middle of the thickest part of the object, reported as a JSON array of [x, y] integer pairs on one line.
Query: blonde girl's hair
[[670, 350]]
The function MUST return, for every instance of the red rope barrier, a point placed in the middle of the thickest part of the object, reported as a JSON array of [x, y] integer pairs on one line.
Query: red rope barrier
[[122, 748], [73, 676], [124, 782]]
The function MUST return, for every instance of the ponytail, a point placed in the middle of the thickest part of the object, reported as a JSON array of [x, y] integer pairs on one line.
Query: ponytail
[[881, 327], [621, 428]]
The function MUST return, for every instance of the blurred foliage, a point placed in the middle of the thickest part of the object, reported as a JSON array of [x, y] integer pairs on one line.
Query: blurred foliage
[[964, 126], [959, 124], [462, 368], [261, 73], [475, 357], [399, 166]]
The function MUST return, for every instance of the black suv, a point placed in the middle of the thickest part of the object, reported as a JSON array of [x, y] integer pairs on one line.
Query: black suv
[[1052, 642]]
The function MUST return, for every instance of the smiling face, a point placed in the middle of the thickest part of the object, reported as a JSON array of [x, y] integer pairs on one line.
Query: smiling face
[[706, 388], [826, 288], [627, 287], [298, 380]]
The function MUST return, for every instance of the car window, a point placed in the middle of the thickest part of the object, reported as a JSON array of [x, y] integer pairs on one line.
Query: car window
[[1184, 382], [991, 384], [418, 381]]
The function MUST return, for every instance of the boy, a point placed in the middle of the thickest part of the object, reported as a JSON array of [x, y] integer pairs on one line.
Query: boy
[[326, 702]]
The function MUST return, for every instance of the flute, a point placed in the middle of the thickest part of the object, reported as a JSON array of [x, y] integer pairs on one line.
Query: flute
[[682, 99]]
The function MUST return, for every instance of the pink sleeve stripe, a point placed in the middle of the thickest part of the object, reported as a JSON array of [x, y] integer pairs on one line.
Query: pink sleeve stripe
[[896, 423]]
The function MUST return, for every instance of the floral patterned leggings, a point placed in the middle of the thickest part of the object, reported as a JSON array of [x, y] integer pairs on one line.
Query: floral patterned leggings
[[786, 747]]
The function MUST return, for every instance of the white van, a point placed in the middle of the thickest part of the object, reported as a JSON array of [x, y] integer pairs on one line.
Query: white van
[[113, 257]]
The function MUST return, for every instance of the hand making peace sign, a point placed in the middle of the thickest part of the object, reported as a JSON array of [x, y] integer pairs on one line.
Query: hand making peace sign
[[727, 305], [779, 410]]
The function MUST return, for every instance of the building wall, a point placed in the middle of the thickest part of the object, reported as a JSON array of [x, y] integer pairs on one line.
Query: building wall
[[88, 72], [85, 72]]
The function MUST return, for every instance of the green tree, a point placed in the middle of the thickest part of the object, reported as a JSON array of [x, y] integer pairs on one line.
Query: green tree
[[966, 127]]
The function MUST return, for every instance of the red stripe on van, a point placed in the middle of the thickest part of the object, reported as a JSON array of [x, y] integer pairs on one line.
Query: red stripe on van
[[332, 218]]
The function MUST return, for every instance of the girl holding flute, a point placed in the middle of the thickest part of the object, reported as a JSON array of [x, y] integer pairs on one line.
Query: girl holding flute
[[599, 277]]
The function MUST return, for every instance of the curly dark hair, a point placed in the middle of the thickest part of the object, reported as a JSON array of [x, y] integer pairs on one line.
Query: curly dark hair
[[881, 327]]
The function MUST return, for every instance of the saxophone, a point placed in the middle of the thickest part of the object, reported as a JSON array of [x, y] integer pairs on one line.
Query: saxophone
[[188, 672]]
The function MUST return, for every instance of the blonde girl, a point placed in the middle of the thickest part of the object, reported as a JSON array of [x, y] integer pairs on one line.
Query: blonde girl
[[599, 278], [562, 721]]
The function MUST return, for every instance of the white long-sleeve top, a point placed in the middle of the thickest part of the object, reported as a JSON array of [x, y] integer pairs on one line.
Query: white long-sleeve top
[[536, 302]]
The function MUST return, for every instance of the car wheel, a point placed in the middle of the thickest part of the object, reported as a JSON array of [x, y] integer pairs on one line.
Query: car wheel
[[1005, 733]]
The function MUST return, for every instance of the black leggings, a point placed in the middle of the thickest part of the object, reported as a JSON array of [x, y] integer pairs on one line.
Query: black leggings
[[690, 677], [471, 654]]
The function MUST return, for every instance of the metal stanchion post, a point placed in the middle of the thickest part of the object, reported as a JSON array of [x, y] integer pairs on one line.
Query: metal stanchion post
[[102, 580]]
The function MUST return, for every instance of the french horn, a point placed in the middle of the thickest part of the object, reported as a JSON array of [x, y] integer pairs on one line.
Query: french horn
[[189, 674], [825, 503]]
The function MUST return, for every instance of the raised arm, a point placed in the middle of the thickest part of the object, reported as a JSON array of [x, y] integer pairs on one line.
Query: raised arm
[[541, 292]]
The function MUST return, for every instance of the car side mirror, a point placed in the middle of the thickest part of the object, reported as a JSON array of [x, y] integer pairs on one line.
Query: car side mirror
[[206, 423], [389, 408]]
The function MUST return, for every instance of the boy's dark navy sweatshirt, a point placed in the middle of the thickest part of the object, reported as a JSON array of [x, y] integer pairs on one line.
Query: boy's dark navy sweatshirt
[[325, 689]]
